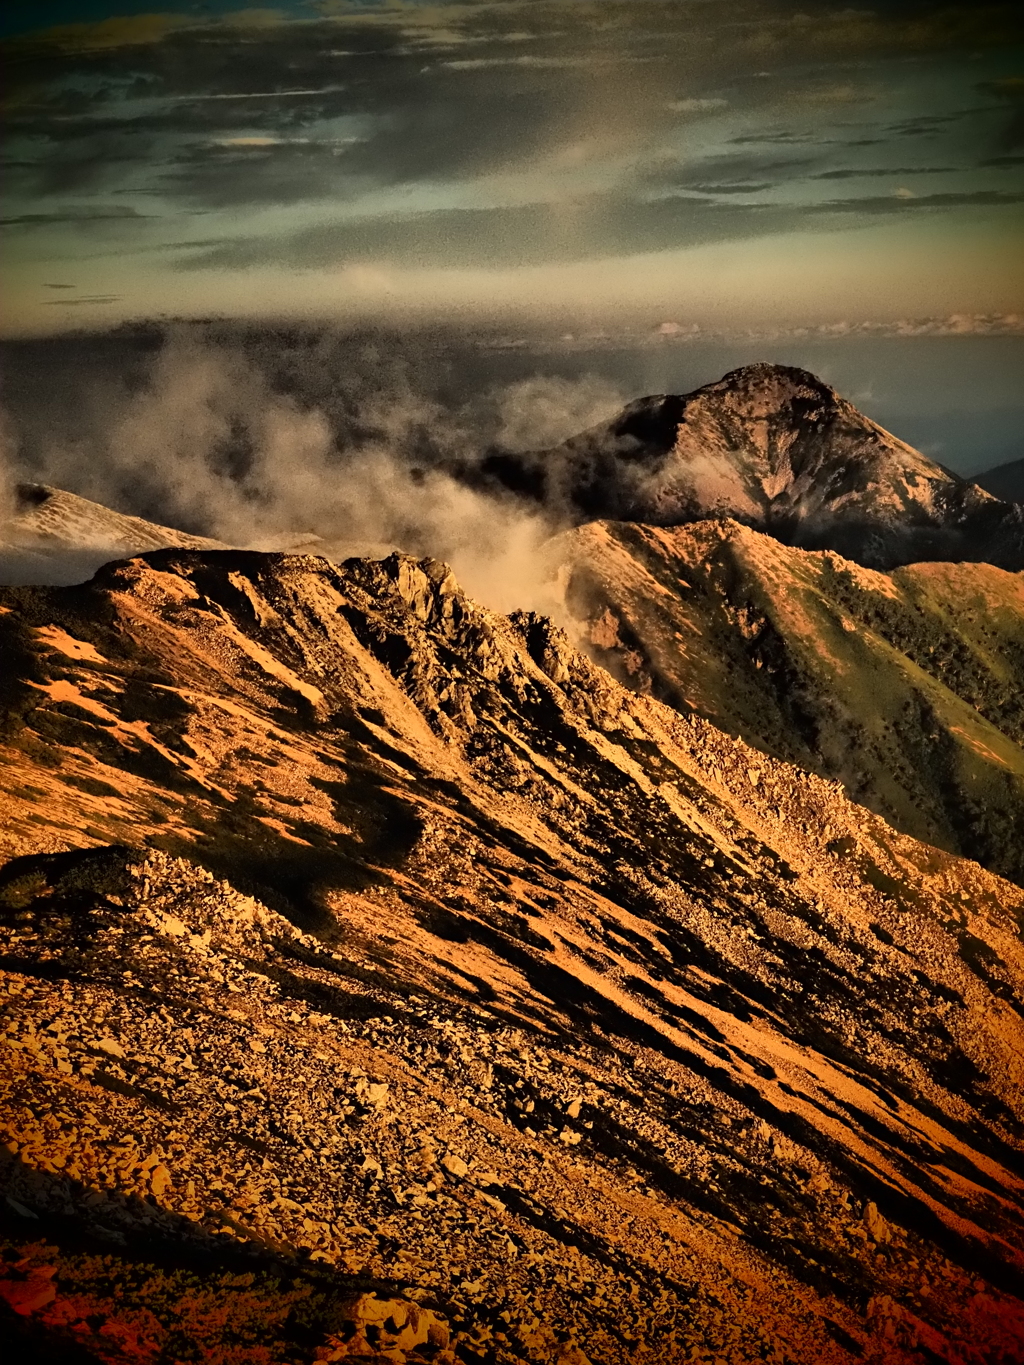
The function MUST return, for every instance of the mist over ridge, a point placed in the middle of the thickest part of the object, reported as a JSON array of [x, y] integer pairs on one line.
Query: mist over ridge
[[345, 454], [363, 442]]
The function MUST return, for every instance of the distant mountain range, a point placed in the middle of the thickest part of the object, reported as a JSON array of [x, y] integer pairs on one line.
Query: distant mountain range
[[53, 536], [778, 450]]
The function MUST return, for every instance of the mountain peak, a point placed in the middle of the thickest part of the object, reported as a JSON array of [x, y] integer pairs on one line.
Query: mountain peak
[[776, 448], [766, 374]]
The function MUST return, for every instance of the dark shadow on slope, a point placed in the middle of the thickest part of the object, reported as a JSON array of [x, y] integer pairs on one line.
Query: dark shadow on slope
[[152, 1282]]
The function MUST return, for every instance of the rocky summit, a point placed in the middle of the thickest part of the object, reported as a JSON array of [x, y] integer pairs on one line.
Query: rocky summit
[[779, 450], [384, 982]]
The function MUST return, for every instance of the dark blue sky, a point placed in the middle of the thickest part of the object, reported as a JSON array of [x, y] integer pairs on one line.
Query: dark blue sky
[[31, 16]]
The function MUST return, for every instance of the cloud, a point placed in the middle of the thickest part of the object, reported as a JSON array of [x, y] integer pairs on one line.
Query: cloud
[[256, 141], [782, 136], [952, 324], [736, 187], [468, 135], [676, 329], [1005, 87], [123, 31], [1009, 89], [413, 125], [540, 412], [483, 114], [199, 97], [85, 298], [927, 125], [697, 106], [528, 62], [904, 200], [590, 227], [218, 439], [8, 465], [718, 173], [856, 172], [235, 172], [78, 214]]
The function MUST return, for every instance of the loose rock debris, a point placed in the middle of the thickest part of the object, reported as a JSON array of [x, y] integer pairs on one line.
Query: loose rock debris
[[473, 1009]]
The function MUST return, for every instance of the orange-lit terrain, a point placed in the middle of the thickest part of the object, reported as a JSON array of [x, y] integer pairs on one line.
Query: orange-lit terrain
[[905, 686], [511, 682], [386, 982]]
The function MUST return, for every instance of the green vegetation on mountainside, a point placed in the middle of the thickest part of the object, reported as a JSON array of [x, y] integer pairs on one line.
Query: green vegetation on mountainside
[[907, 686]]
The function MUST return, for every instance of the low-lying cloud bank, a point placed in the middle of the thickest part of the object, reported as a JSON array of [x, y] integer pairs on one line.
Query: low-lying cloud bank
[[217, 441]]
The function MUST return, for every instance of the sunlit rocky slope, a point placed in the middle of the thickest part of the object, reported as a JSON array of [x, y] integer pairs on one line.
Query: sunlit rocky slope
[[908, 686], [385, 982], [779, 450]]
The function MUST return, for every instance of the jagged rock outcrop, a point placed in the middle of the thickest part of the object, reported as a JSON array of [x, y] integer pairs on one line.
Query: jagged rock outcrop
[[775, 448], [363, 942], [908, 687]]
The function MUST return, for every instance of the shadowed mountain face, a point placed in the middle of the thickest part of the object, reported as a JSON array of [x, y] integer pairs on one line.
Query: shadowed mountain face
[[344, 918], [1006, 481], [777, 449], [908, 687]]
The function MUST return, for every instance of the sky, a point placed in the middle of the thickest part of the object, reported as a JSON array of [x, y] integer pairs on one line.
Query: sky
[[666, 164]]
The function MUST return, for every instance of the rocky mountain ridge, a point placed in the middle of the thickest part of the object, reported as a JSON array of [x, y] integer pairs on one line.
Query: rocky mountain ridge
[[348, 920], [770, 446], [905, 686]]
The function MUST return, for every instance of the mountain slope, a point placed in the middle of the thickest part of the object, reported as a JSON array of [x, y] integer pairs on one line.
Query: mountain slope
[[497, 987], [907, 686], [779, 450], [1005, 481], [52, 536]]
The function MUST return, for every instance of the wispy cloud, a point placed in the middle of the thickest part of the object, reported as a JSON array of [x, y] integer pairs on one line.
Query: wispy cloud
[[118, 213], [697, 106], [198, 98], [84, 299], [904, 200], [888, 172], [590, 228], [672, 334]]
